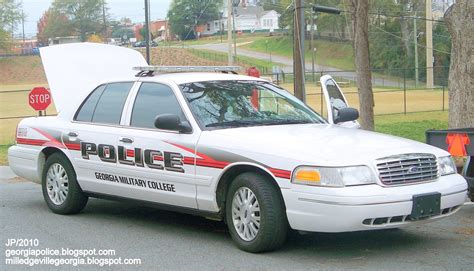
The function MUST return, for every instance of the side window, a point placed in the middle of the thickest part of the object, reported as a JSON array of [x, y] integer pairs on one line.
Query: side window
[[335, 98], [111, 102], [154, 99], [87, 109], [105, 104]]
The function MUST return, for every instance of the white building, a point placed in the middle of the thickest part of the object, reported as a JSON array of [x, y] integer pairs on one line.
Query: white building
[[247, 19]]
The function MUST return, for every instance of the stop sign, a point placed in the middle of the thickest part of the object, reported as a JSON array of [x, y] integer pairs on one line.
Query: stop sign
[[39, 98]]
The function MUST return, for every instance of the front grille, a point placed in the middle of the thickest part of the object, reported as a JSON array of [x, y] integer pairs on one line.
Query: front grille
[[407, 168]]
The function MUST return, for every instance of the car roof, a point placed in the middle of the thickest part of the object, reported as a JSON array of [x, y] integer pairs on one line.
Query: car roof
[[191, 77]]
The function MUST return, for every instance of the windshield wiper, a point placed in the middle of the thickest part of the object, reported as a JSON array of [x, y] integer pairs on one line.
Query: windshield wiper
[[242, 123], [286, 121], [233, 123]]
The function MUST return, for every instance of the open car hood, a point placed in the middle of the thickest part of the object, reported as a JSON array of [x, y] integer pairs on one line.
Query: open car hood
[[74, 70]]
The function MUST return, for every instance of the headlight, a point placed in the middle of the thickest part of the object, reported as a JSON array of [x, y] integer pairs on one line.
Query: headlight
[[333, 176], [446, 165]]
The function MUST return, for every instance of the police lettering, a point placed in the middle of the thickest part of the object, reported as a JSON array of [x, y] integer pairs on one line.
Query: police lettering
[[170, 161], [167, 187], [161, 186]]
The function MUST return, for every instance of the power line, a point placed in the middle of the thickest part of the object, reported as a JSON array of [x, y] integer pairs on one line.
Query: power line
[[439, 51], [383, 13], [198, 18], [399, 16]]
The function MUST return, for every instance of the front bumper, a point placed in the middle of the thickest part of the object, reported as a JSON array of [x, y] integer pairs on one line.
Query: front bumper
[[366, 207]]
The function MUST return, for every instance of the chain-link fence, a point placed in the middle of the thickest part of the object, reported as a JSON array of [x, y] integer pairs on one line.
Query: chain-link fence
[[392, 95], [14, 107]]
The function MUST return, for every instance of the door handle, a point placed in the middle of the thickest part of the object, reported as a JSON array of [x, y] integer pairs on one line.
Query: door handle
[[125, 140], [72, 134]]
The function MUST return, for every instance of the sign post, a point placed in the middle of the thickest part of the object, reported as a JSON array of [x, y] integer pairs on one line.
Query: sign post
[[39, 99]]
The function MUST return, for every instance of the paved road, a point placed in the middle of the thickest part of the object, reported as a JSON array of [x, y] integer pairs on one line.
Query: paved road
[[287, 64], [166, 240]]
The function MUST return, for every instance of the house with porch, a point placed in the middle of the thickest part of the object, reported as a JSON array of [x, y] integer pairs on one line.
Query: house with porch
[[247, 19]]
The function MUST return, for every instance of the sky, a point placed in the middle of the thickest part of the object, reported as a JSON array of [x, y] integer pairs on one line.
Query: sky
[[133, 9]]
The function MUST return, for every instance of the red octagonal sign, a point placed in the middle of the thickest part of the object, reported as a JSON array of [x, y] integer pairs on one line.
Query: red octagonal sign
[[39, 98]]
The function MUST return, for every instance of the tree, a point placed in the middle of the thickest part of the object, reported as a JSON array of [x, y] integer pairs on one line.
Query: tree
[[95, 38], [87, 16], [10, 16], [53, 24], [329, 25], [185, 15], [461, 73], [121, 32], [392, 37], [442, 46], [360, 20], [122, 28]]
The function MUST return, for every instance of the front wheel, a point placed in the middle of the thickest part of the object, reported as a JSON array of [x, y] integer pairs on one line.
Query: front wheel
[[60, 188], [255, 213]]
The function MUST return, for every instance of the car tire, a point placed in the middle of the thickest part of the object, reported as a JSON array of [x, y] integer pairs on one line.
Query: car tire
[[252, 230], [62, 193]]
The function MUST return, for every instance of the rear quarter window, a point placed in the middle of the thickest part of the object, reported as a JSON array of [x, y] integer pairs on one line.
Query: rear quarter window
[[87, 109], [105, 104]]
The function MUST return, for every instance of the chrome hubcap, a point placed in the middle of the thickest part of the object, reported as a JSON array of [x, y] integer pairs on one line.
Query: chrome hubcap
[[246, 214], [57, 184]]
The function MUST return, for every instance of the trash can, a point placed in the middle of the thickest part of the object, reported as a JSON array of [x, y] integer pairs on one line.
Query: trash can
[[458, 142]]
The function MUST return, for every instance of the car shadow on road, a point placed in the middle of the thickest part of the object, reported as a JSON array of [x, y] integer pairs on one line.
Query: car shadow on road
[[351, 243], [340, 245], [149, 216]]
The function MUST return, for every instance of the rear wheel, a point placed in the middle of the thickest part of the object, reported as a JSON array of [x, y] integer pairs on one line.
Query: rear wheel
[[255, 213], [60, 188]]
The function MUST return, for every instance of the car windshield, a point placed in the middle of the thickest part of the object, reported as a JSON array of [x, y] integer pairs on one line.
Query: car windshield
[[232, 103]]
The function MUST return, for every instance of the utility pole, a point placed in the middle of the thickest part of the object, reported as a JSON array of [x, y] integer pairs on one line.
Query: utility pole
[[298, 50], [429, 45], [105, 21], [234, 10], [221, 29], [147, 32], [312, 46], [415, 41], [23, 26], [229, 32]]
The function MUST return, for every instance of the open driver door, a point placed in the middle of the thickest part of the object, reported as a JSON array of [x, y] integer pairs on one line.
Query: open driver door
[[335, 101]]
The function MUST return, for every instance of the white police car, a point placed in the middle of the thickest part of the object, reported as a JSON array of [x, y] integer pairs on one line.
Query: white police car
[[224, 146]]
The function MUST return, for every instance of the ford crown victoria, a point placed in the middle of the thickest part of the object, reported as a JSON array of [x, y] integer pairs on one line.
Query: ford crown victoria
[[224, 146]]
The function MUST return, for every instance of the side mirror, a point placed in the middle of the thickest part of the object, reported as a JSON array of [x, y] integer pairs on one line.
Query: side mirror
[[346, 114], [172, 122]]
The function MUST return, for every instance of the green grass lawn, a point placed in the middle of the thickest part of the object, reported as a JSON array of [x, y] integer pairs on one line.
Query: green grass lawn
[[241, 60], [217, 39], [412, 126], [3, 154], [334, 54]]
